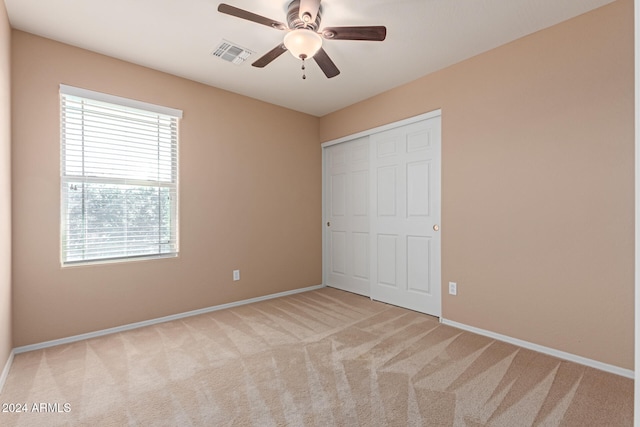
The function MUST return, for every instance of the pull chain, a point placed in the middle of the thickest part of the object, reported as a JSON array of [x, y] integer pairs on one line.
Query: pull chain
[[303, 57]]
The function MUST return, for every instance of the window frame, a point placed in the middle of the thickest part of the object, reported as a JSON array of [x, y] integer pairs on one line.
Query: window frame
[[123, 104]]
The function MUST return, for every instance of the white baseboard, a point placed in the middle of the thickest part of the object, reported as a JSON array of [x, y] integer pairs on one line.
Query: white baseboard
[[150, 322], [5, 371], [542, 349]]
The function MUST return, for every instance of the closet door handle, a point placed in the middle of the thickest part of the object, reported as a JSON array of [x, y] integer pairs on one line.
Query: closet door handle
[[436, 227]]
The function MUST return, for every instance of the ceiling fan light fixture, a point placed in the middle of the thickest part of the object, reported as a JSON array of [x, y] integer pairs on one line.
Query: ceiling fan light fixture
[[303, 43]]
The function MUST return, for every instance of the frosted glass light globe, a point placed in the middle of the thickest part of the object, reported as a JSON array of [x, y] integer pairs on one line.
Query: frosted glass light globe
[[303, 42]]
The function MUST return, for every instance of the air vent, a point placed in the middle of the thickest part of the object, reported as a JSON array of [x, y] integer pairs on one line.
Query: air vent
[[231, 52]]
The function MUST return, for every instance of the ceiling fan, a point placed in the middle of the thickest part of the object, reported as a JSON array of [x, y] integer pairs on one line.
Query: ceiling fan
[[303, 39]]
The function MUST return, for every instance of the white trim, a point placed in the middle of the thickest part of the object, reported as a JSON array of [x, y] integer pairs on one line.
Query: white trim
[[382, 128], [5, 371], [158, 320], [542, 349], [325, 246], [113, 99]]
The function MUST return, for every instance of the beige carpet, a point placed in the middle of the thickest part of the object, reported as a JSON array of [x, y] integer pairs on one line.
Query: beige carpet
[[320, 358]]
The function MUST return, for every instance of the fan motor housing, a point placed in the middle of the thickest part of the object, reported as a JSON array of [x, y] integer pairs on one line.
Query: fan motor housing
[[294, 21]]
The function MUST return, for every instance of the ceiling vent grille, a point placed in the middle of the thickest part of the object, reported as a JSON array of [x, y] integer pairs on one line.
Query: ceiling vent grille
[[231, 52]]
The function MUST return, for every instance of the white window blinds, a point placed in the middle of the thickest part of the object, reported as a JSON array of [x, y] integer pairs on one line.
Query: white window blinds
[[119, 173]]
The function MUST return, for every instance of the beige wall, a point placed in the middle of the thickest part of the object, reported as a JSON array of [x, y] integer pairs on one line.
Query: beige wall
[[537, 182], [5, 188], [250, 199]]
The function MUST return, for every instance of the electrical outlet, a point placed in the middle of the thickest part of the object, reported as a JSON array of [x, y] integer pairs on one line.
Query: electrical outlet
[[453, 288], [236, 275]]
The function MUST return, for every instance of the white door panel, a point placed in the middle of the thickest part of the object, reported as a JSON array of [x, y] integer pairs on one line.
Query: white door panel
[[361, 255], [405, 248], [347, 214], [418, 250]]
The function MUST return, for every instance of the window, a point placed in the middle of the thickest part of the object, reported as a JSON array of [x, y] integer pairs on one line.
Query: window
[[119, 173]]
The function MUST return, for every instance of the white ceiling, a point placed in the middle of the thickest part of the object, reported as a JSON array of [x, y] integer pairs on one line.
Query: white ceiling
[[178, 37]]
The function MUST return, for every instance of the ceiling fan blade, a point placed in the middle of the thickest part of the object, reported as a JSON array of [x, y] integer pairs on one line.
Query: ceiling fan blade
[[371, 33], [270, 56], [309, 8], [249, 16], [326, 64]]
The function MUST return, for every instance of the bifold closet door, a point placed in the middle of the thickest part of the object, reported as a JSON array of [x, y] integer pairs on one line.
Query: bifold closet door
[[405, 216], [347, 216]]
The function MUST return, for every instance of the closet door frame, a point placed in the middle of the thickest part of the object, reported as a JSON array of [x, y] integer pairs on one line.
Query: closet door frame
[[325, 191]]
